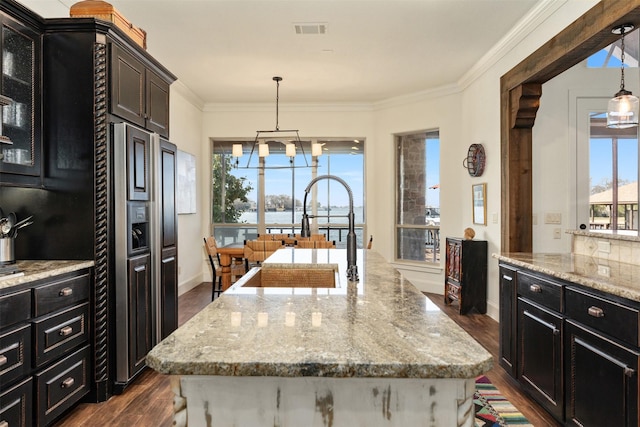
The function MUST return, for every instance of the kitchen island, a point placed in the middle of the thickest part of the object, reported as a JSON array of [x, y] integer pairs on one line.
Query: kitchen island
[[372, 352]]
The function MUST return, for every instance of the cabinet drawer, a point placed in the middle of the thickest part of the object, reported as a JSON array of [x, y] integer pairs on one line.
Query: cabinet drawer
[[60, 294], [59, 333], [15, 354], [540, 290], [62, 385], [612, 318], [16, 405], [15, 308]]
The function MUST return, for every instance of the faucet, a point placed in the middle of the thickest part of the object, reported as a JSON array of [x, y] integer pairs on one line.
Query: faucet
[[352, 269]]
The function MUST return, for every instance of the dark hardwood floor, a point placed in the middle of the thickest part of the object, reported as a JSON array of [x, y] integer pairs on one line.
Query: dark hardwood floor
[[148, 402]]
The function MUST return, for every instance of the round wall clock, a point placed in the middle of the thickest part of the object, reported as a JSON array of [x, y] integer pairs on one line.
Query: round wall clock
[[474, 162]]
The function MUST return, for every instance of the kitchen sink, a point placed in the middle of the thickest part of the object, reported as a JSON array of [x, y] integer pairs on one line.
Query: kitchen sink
[[285, 276]]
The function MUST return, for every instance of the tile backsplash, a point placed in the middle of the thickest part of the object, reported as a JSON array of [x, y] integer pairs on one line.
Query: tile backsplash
[[607, 246]]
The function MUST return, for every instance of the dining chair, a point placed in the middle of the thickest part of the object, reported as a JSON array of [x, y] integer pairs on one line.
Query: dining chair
[[237, 269], [305, 244], [253, 253], [272, 246], [325, 244], [320, 236]]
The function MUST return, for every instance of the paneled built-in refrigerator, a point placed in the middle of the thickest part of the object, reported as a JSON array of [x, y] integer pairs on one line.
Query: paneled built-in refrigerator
[[146, 259]]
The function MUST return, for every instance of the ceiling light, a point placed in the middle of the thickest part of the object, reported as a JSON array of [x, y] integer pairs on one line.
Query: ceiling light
[[623, 108], [263, 137]]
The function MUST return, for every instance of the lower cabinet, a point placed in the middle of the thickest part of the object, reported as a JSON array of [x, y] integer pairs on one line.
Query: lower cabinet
[[601, 378], [45, 351], [540, 356], [576, 349], [139, 294]]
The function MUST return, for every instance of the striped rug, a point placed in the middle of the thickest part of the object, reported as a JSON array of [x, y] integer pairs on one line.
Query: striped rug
[[493, 409]]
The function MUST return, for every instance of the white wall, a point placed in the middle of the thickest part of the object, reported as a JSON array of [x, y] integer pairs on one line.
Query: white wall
[[466, 115], [185, 129]]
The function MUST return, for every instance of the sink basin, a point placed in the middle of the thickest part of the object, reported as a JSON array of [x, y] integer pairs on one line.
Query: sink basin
[[289, 276]]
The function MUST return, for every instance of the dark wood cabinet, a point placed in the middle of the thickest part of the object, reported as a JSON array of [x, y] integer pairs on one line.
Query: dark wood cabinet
[[21, 162], [466, 274], [168, 291], [508, 319], [45, 354], [138, 95], [138, 166], [540, 356], [16, 404], [139, 307], [576, 347]]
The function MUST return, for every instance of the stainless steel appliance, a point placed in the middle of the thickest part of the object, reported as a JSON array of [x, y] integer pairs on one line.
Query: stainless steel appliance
[[145, 246]]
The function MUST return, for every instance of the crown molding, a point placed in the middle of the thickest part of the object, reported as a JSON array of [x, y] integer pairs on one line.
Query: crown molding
[[188, 94]]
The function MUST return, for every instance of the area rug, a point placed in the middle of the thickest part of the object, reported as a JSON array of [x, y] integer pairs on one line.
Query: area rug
[[493, 409]]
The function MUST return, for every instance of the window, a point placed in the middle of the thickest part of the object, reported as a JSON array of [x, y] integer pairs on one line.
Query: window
[[273, 191], [613, 176], [418, 197]]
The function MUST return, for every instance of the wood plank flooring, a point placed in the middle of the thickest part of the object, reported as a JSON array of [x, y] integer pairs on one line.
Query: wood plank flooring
[[148, 402]]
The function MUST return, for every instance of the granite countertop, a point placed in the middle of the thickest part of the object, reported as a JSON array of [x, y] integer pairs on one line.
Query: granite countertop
[[381, 326], [36, 270], [616, 278]]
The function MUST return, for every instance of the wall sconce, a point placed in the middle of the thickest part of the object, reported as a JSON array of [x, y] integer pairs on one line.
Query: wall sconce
[[623, 108]]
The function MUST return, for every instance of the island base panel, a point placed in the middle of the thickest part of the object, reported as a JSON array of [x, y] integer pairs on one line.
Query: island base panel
[[313, 401]]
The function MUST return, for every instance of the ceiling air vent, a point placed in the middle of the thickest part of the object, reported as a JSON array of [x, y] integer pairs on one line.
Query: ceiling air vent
[[310, 28]]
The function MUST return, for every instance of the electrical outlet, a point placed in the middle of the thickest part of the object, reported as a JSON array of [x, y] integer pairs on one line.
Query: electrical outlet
[[604, 270], [604, 247], [556, 233]]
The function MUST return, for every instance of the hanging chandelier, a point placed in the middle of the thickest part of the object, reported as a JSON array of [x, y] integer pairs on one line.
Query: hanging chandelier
[[289, 138], [623, 108]]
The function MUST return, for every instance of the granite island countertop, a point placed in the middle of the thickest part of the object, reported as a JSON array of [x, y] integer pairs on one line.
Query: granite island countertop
[[615, 278], [381, 326], [40, 269]]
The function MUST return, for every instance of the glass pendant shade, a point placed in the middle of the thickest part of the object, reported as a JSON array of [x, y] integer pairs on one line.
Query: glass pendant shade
[[290, 150], [623, 110], [236, 150], [263, 150]]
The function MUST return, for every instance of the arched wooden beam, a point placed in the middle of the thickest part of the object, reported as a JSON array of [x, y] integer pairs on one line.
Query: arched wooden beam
[[586, 35]]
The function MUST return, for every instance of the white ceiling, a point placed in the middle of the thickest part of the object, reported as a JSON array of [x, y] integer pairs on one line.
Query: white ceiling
[[373, 50]]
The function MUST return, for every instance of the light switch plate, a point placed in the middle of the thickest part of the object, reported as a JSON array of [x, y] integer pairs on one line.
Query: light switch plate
[[552, 218]]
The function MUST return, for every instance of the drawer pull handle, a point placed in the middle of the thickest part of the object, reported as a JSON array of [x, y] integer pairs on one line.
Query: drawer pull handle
[[68, 383], [535, 288], [505, 277], [67, 330], [66, 292], [4, 423], [595, 311], [3, 361], [629, 372]]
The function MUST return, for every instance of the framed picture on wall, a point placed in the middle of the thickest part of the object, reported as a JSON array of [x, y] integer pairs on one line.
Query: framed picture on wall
[[479, 194], [186, 183]]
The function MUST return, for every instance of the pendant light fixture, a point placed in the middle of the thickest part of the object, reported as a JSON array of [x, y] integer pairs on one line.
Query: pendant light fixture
[[623, 108], [289, 138]]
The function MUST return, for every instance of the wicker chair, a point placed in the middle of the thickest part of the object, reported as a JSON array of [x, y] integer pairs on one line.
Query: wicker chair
[[325, 244], [237, 267], [305, 244]]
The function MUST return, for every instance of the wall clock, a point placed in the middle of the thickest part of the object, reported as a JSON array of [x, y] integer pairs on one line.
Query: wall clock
[[474, 162]]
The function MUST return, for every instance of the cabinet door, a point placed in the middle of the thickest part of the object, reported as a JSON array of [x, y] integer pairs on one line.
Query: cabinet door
[[127, 86], [167, 184], [168, 291], [21, 163], [138, 164], [157, 104], [601, 378], [139, 294], [540, 356], [508, 315]]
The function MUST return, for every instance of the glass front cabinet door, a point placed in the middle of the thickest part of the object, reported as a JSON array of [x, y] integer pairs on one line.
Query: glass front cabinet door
[[19, 142]]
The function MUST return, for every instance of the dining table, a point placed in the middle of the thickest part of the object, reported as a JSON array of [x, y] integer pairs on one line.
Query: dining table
[[227, 254]]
